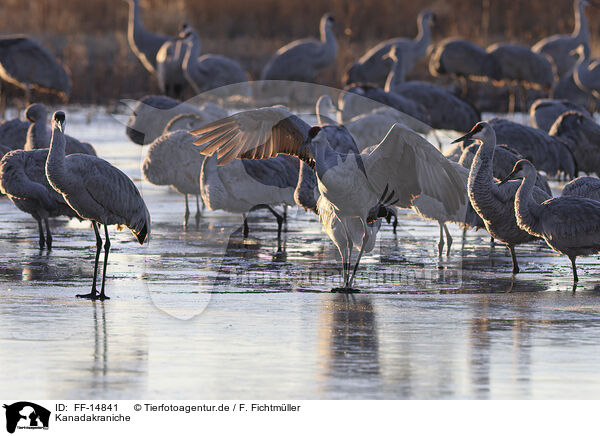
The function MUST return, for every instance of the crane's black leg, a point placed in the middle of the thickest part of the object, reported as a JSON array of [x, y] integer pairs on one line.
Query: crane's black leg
[[575, 278], [245, 226], [94, 293], [102, 295], [187, 212], [448, 240], [279, 219], [360, 253], [197, 211], [514, 259], [42, 239], [48, 235], [441, 242]]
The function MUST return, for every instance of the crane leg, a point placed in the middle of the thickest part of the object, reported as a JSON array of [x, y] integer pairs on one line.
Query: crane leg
[[441, 241], [448, 240], [48, 235], [94, 293], [360, 253], [187, 211], [279, 219], [514, 259], [245, 228], [575, 278], [102, 295], [42, 240], [197, 211]]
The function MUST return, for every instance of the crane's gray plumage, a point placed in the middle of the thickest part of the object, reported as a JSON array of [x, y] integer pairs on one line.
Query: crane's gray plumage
[[584, 186], [13, 133], [547, 152], [586, 73], [173, 160], [558, 47], [186, 122], [503, 163], [209, 71], [569, 225], [567, 89], [390, 99], [433, 209], [152, 113], [38, 135], [169, 67], [304, 59], [464, 59], [26, 64], [373, 67], [519, 63], [365, 130], [23, 180], [243, 186], [544, 112], [401, 167], [144, 44], [492, 201], [98, 192], [445, 110], [582, 134]]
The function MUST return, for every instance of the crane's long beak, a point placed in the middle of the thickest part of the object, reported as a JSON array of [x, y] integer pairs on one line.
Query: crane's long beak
[[463, 138]]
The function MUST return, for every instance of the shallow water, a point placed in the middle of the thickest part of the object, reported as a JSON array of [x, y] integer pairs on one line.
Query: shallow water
[[199, 313]]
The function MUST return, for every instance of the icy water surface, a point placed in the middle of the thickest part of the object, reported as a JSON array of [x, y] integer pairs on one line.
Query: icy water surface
[[202, 314]]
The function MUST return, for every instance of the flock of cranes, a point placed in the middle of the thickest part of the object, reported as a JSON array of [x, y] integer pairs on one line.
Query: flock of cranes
[[365, 157]]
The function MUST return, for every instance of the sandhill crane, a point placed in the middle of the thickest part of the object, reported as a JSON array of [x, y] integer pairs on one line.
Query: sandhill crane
[[347, 234], [395, 171], [13, 133], [368, 113], [548, 153], [569, 225], [432, 209], [464, 60], [493, 202], [522, 67], [586, 72], [28, 65], [152, 113], [38, 136], [169, 67], [445, 110], [558, 47], [544, 112], [366, 129], [172, 159], [582, 135], [378, 97], [245, 186], [304, 59], [567, 89], [584, 186], [504, 161], [23, 180], [98, 192], [209, 71], [373, 67], [144, 44]]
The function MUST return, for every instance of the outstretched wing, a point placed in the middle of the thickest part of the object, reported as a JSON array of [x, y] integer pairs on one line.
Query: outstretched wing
[[406, 164], [255, 134]]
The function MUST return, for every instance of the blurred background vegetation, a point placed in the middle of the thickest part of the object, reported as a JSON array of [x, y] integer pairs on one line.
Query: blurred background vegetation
[[90, 37]]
